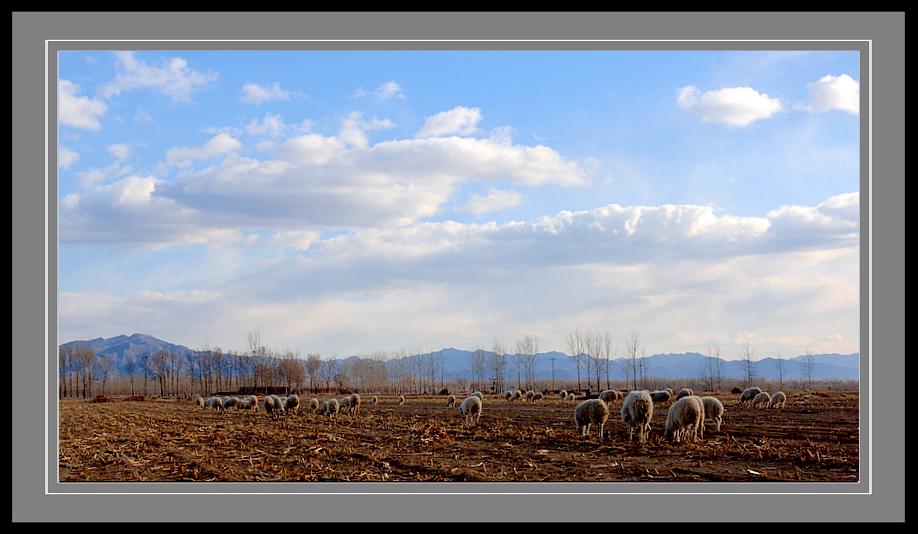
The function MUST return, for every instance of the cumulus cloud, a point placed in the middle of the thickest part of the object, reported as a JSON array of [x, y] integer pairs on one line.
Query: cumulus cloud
[[172, 78], [90, 177], [66, 157], [254, 93], [494, 200], [457, 121], [354, 127], [733, 106], [218, 145], [120, 151], [834, 92], [78, 111]]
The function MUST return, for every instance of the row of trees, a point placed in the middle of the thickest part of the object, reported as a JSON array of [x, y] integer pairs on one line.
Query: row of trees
[[82, 372]]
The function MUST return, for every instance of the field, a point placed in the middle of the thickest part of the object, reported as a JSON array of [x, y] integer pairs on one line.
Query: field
[[815, 438]]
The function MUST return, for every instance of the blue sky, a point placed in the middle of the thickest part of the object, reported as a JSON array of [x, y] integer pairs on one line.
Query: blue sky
[[357, 201]]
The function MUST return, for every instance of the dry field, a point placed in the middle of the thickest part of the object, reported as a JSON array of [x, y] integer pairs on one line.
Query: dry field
[[815, 438]]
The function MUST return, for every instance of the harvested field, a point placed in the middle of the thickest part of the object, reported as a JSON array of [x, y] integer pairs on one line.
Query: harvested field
[[815, 438]]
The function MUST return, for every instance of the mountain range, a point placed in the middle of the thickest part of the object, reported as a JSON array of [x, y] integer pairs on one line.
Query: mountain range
[[457, 362]]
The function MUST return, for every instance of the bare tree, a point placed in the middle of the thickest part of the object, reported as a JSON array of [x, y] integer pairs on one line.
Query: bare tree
[[779, 363], [608, 351], [644, 368], [575, 345], [477, 363], [632, 347], [144, 363], [748, 363], [63, 363], [105, 367], [498, 365], [527, 350], [313, 362], [808, 368], [290, 369], [160, 362], [85, 358], [714, 352]]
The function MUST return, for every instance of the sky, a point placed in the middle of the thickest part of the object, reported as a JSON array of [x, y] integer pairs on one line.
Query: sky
[[349, 202]]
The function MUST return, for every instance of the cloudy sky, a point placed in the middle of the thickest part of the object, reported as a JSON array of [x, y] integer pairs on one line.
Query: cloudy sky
[[349, 202]]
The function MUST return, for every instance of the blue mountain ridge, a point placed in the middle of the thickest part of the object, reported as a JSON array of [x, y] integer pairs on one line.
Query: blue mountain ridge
[[457, 362]]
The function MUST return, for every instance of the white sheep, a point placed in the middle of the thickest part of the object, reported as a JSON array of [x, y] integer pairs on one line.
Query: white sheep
[[563, 394], [253, 403], [713, 410], [401, 400], [230, 402], [277, 405], [660, 396], [478, 394], [762, 399], [685, 418], [670, 390], [375, 401], [749, 394], [450, 401], [243, 403], [292, 404], [330, 409], [778, 399], [637, 411], [537, 396], [609, 396], [471, 408], [355, 404], [215, 403], [199, 401], [591, 412], [571, 396], [529, 395], [508, 396], [313, 405], [684, 392]]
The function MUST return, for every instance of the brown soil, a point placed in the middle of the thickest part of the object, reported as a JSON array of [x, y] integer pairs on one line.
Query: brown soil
[[815, 438]]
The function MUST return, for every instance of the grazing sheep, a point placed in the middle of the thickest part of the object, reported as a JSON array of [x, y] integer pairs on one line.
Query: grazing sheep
[[670, 391], [684, 392], [563, 394], [344, 404], [215, 403], [591, 412], [355, 404], [537, 396], [375, 401], [199, 401], [777, 400], [637, 411], [529, 395], [471, 407], [660, 396], [330, 409], [230, 402], [748, 394], [478, 394], [401, 400], [685, 418], [450, 401], [609, 395], [736, 390], [243, 403], [278, 406], [292, 404], [313, 405], [762, 399], [713, 410], [571, 396], [508, 396], [253, 403]]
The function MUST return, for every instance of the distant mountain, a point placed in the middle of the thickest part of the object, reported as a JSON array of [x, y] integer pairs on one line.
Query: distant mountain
[[457, 362]]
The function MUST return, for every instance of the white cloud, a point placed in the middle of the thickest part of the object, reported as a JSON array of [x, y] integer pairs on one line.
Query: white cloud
[[66, 157], [120, 151], [495, 200], [143, 116], [733, 106], [78, 111], [834, 92], [218, 145], [172, 78], [457, 121], [254, 93], [390, 90], [386, 91], [353, 129], [91, 177]]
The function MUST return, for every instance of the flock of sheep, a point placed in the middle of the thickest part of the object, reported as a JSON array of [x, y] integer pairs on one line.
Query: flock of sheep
[[685, 417]]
